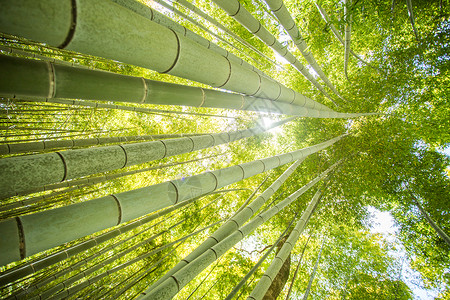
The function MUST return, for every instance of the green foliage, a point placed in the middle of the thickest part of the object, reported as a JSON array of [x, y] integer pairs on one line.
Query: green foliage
[[386, 159]]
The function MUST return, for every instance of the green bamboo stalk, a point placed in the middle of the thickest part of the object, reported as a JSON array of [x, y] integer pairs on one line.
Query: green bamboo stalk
[[297, 268], [22, 173], [82, 285], [411, 18], [217, 24], [94, 27], [311, 278], [34, 266], [338, 36], [430, 221], [61, 136], [30, 234], [234, 9], [266, 280], [76, 83], [348, 30], [102, 178], [43, 146], [172, 285], [285, 18]]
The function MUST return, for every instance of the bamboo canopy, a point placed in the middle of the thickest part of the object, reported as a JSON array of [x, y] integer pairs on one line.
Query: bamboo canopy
[[124, 228]]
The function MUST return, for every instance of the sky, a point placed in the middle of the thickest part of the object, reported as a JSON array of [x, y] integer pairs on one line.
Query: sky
[[383, 223]]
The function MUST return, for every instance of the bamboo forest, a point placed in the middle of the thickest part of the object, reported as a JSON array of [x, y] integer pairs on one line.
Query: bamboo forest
[[225, 149]]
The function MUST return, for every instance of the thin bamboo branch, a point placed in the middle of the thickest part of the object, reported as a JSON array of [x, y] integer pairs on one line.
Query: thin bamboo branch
[[411, 19], [311, 278]]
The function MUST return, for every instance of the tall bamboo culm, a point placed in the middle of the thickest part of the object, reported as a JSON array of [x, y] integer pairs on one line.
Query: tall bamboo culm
[[21, 173], [44, 79], [285, 18]]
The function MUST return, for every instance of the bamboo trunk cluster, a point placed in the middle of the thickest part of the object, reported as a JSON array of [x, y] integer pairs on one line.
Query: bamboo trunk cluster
[[94, 26], [216, 23], [240, 14], [153, 15], [285, 18], [21, 173], [214, 35], [233, 224], [172, 285], [30, 234], [266, 280]]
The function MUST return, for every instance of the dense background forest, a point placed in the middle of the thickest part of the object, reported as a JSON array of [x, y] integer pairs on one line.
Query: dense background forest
[[84, 82]]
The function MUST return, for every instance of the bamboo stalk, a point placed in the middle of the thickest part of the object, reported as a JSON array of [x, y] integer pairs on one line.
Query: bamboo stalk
[[348, 30], [308, 289], [76, 83], [234, 9], [285, 18], [44, 146], [22, 173], [99, 179]]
